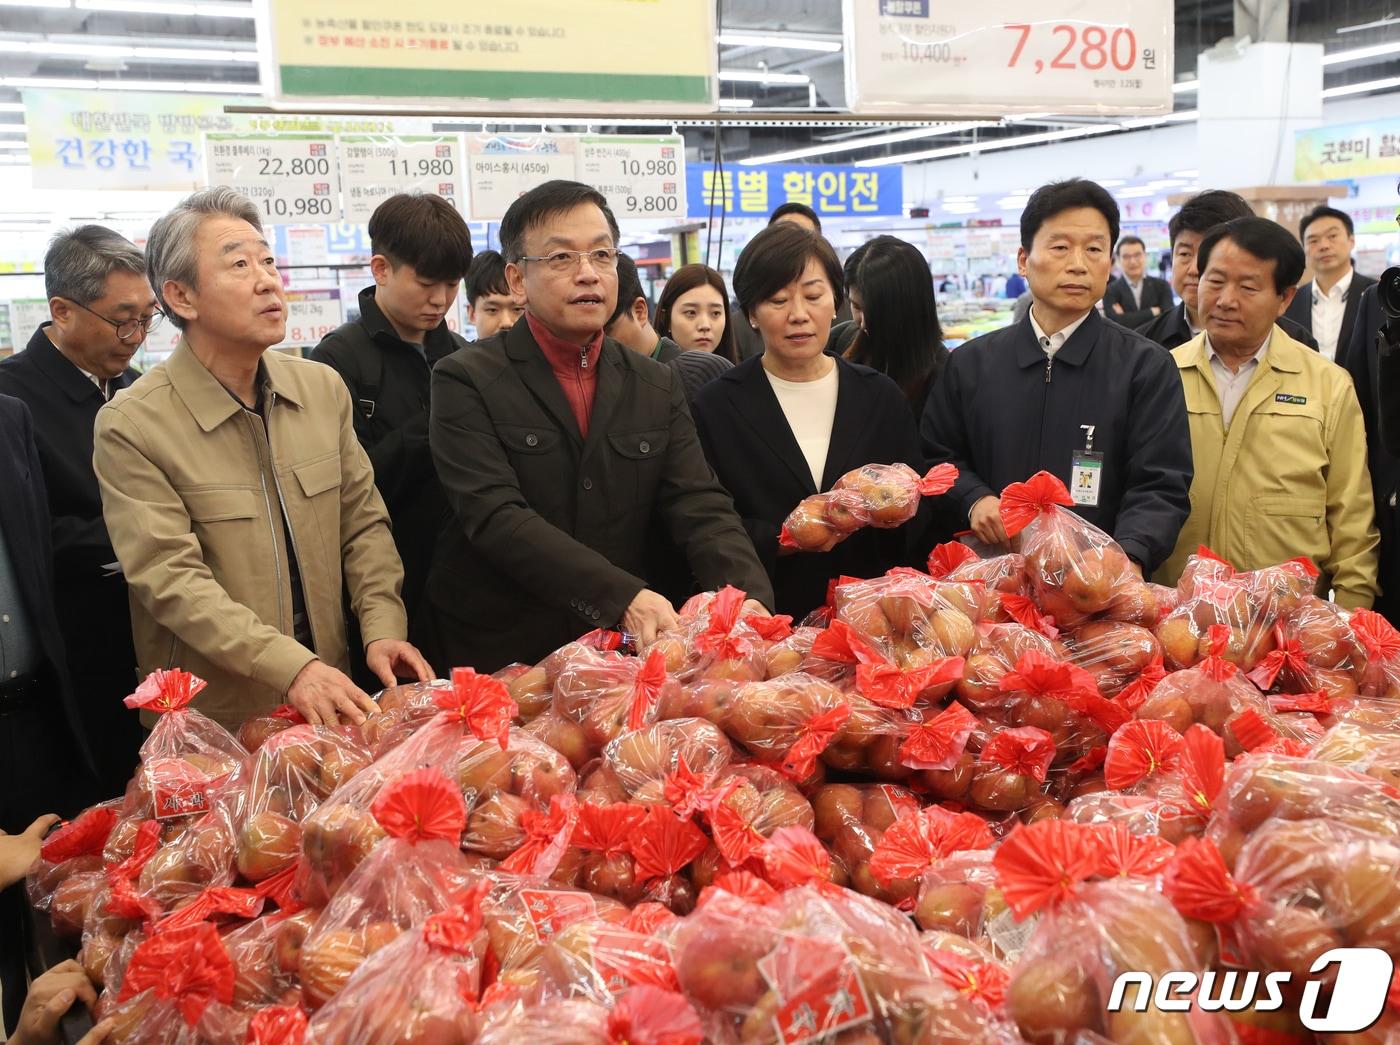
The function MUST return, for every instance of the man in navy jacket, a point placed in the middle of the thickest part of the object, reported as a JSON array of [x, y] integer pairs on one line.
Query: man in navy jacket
[[1067, 392]]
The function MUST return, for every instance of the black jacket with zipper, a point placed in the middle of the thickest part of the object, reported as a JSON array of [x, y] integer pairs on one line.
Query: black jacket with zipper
[[1003, 411], [388, 382]]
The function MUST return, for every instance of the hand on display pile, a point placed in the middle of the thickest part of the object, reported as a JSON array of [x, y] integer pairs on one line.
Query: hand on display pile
[[50, 996], [986, 521], [648, 616], [18, 852], [324, 696], [392, 659]]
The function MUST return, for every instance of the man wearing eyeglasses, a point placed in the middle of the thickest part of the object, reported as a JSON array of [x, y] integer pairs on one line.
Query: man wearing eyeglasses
[[102, 308], [557, 449]]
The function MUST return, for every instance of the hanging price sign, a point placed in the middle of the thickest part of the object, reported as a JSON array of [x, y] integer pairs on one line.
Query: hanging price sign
[[501, 169], [311, 315], [1091, 56], [293, 178], [642, 177], [373, 168]]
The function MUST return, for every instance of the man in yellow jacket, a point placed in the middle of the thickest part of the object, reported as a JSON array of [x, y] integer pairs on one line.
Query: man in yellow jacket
[[1276, 430], [237, 496]]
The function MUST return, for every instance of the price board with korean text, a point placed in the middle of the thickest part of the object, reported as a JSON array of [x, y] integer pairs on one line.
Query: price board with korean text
[[311, 315], [292, 178], [1014, 56], [642, 177], [502, 168], [373, 168]]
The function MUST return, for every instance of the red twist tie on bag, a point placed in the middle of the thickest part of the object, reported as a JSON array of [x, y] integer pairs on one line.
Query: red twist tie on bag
[[1202, 552], [281, 890], [547, 837], [648, 916], [663, 844], [165, 691], [646, 691], [1309, 567], [981, 981], [843, 644], [1317, 702], [1090, 761], [1201, 768], [1025, 612], [455, 929], [1040, 675], [188, 966], [940, 742], [124, 901], [947, 557], [1134, 695], [885, 685], [147, 842], [647, 1015], [1377, 637], [1199, 885], [1025, 751], [244, 904], [602, 639], [420, 806], [918, 840], [84, 835], [287, 713], [1252, 731], [277, 1025], [744, 884], [687, 791], [1214, 666], [736, 838], [1126, 855], [1041, 865], [938, 480], [815, 736], [795, 857], [1287, 655], [785, 537], [481, 702], [607, 829], [717, 639], [1138, 749], [1023, 503], [771, 629]]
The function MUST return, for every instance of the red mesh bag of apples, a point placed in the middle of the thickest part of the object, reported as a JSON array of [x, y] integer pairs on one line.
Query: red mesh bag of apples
[[787, 722], [880, 495], [1100, 915], [255, 731], [604, 695], [186, 759], [417, 871], [403, 710], [600, 961], [998, 650], [176, 985], [1380, 678], [911, 618], [1003, 574], [642, 1015], [70, 868], [851, 820], [1315, 651], [425, 986]]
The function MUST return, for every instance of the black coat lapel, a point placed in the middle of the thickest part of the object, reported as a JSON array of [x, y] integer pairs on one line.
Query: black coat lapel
[[852, 418], [607, 393], [758, 407], [536, 374]]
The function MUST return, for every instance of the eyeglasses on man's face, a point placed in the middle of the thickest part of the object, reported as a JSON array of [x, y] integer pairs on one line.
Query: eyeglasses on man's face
[[126, 328], [602, 258]]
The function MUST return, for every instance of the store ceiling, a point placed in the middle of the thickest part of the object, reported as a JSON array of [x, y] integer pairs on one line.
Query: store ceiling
[[210, 45]]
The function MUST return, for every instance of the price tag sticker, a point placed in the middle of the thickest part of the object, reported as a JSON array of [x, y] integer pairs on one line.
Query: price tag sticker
[[311, 315], [293, 178], [642, 177], [501, 169], [1088, 56], [373, 168]]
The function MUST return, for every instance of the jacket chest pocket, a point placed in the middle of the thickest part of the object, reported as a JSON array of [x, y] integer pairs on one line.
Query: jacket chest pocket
[[542, 464], [1290, 444], [226, 523], [635, 464], [318, 477]]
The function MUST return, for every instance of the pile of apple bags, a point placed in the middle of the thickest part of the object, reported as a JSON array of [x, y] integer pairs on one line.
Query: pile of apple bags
[[952, 807]]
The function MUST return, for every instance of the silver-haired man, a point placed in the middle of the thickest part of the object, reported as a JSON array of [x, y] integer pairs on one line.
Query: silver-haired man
[[238, 498], [101, 307]]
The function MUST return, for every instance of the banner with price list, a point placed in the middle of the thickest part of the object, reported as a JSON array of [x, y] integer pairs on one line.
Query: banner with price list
[[642, 177], [830, 190], [502, 168], [291, 177], [373, 168], [1089, 56]]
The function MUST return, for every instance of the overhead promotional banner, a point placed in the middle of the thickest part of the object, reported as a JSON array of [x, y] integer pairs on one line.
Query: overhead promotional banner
[[1348, 150], [1091, 56], [122, 139], [527, 54], [832, 191]]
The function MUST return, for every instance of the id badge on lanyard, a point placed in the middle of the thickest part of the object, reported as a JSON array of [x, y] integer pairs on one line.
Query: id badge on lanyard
[[1086, 471]]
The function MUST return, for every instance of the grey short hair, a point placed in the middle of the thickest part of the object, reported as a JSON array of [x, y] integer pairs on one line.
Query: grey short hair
[[170, 246], [79, 261]]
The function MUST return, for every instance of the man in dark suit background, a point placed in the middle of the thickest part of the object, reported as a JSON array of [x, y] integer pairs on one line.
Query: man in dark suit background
[[102, 307], [1135, 298], [1326, 305]]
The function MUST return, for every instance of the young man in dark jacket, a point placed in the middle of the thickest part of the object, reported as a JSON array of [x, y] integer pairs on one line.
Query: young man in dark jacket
[[558, 449], [422, 249], [1067, 392]]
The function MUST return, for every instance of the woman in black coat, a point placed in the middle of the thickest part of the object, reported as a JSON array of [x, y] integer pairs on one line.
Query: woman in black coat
[[787, 424]]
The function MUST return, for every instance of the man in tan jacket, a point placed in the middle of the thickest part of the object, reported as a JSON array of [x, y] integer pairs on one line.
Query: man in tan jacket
[[237, 495], [1276, 431]]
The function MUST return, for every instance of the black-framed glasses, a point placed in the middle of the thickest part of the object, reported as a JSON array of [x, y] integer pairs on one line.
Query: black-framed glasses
[[126, 328], [568, 260]]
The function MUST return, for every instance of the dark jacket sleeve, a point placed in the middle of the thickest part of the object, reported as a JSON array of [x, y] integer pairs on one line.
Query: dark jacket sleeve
[[701, 515], [484, 492], [1388, 398], [1358, 365], [400, 457], [763, 534], [1157, 486], [1121, 294], [945, 435]]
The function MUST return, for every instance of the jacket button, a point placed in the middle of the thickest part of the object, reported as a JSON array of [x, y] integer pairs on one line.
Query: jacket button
[[645, 447], [532, 440], [595, 614], [588, 484], [573, 604]]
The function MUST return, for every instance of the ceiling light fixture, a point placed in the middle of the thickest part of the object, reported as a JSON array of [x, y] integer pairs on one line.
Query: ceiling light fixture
[[209, 9], [1388, 84], [736, 103], [991, 146], [81, 84], [763, 76], [1186, 86], [854, 144], [172, 54], [1361, 53], [791, 43]]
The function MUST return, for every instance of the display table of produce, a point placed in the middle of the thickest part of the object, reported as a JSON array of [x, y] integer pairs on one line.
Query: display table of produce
[[1020, 798]]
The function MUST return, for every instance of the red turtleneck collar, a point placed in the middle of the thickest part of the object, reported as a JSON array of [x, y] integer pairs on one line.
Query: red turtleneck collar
[[575, 368]]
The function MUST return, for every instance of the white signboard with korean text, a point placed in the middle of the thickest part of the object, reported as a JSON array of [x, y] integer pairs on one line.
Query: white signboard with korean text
[[1011, 56], [503, 168], [642, 177], [292, 178], [373, 168], [311, 315]]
